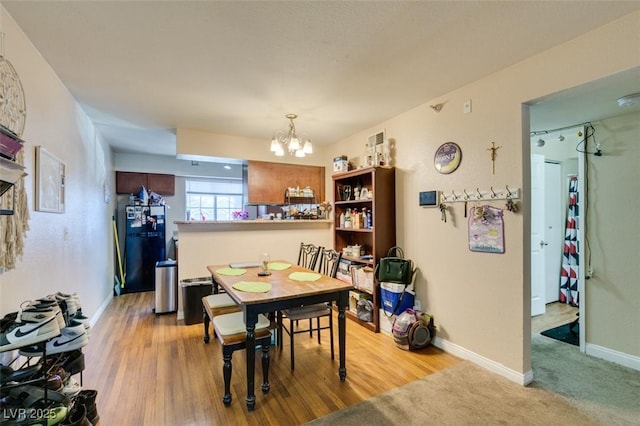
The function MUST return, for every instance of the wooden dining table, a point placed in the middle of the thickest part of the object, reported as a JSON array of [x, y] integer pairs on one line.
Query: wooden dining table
[[284, 293]]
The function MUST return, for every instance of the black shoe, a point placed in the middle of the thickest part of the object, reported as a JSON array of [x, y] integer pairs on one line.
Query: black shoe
[[77, 416]]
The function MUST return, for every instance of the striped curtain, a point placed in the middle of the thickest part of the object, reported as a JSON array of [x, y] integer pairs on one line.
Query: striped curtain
[[569, 279]]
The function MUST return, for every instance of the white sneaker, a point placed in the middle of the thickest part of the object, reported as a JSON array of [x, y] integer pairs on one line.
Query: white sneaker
[[24, 333], [71, 388], [70, 338], [71, 301], [33, 309]]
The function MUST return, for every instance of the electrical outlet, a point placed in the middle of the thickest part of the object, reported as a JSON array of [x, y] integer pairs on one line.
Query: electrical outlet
[[590, 272], [467, 107], [417, 305]]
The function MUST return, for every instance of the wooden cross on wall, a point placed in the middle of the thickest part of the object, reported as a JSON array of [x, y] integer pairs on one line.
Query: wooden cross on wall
[[492, 153]]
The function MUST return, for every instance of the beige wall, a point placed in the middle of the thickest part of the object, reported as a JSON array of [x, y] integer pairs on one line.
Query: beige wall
[[481, 302], [195, 143], [203, 244], [73, 251], [613, 292]]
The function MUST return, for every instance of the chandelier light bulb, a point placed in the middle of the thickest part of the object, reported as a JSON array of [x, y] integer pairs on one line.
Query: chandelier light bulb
[[307, 148], [275, 146], [294, 143], [284, 141]]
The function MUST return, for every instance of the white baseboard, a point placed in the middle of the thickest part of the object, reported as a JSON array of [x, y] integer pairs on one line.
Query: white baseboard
[[94, 319], [610, 355], [494, 367]]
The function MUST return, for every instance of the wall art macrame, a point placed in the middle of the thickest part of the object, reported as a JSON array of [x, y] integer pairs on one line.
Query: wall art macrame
[[13, 115]]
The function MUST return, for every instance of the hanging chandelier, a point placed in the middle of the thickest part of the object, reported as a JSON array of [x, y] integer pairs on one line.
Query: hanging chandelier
[[290, 141]]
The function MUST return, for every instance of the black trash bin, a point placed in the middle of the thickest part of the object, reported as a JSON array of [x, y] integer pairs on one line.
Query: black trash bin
[[193, 290]]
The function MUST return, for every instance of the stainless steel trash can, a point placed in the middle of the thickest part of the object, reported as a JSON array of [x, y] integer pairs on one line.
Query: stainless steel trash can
[[166, 287], [193, 290]]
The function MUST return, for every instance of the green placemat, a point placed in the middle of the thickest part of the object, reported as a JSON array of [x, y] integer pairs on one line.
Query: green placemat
[[304, 276], [252, 286], [234, 272], [279, 266]]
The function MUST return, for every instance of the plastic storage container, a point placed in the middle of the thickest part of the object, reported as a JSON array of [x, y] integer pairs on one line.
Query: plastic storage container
[[391, 293], [193, 290], [166, 287]]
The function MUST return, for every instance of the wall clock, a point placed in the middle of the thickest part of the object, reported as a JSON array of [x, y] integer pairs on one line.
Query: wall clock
[[447, 158]]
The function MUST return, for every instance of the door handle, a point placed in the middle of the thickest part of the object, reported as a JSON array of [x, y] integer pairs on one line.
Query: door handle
[[543, 243]]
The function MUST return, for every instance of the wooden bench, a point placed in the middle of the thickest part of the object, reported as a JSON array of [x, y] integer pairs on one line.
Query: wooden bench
[[230, 330], [214, 305]]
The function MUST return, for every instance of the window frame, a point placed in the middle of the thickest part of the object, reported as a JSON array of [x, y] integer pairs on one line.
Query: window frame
[[235, 200]]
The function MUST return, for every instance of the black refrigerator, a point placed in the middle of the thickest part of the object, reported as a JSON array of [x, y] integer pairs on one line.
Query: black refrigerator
[[144, 246]]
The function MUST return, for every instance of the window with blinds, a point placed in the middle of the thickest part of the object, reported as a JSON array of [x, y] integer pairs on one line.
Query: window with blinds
[[212, 199]]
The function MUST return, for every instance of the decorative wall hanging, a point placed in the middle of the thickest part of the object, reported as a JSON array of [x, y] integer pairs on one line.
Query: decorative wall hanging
[[486, 229], [13, 111], [492, 152], [447, 158], [13, 115], [50, 180]]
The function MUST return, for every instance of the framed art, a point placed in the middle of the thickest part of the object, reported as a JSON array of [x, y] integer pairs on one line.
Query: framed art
[[50, 181], [447, 158]]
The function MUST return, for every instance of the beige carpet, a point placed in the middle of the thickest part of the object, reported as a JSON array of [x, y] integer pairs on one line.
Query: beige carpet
[[465, 394]]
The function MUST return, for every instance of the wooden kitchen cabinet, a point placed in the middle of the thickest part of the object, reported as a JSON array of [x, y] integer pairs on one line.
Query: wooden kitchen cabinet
[[267, 181], [131, 182], [161, 183]]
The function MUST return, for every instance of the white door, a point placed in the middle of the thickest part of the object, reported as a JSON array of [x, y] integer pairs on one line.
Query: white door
[[553, 223], [538, 242]]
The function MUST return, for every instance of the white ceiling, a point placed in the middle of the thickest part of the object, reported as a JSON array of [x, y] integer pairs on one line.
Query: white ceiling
[[142, 69]]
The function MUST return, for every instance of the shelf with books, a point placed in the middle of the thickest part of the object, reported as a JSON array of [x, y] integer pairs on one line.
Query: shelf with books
[[369, 195]]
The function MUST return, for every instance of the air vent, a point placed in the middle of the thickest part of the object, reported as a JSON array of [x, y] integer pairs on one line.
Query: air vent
[[376, 139]]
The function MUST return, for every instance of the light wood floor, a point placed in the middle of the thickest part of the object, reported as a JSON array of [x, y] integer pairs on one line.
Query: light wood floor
[[151, 370], [556, 314]]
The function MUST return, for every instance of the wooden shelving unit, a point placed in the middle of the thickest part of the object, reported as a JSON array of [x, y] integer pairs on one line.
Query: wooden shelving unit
[[381, 236]]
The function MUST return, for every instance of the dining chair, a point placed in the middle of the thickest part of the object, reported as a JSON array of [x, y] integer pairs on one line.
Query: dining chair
[[308, 255], [329, 260]]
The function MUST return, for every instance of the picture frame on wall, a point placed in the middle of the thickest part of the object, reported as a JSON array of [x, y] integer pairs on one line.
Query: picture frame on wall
[[50, 182]]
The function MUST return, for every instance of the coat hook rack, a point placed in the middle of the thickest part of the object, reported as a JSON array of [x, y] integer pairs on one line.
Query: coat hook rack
[[480, 195]]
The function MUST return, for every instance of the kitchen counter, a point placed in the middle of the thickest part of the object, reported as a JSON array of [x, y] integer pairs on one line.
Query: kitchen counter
[[261, 222], [205, 243]]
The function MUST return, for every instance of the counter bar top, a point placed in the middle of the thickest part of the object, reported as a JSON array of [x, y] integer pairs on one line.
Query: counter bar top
[[249, 222]]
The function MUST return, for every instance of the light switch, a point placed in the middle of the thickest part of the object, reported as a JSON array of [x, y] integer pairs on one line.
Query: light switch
[[467, 107]]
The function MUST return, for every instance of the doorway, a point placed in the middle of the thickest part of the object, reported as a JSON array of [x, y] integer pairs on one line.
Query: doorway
[[553, 160]]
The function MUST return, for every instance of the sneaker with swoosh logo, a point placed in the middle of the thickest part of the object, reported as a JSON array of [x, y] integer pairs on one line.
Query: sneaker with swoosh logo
[[24, 333], [32, 311], [70, 338]]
